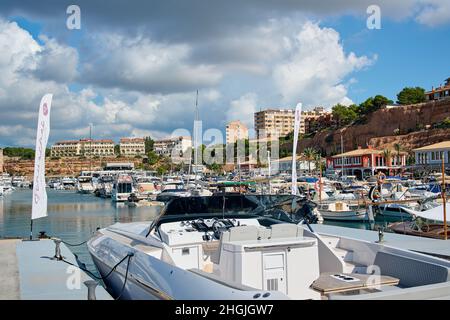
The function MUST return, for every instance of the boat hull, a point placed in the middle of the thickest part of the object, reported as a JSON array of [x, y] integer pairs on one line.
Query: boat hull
[[344, 215]]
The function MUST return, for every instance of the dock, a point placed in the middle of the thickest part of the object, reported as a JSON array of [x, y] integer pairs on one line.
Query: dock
[[29, 272], [434, 247]]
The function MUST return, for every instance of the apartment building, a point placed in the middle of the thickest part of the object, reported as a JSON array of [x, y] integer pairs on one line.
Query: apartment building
[[83, 147], [235, 131], [274, 122], [177, 148], [132, 146], [281, 121]]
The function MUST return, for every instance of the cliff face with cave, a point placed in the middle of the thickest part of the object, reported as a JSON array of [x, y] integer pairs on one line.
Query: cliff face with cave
[[407, 125]]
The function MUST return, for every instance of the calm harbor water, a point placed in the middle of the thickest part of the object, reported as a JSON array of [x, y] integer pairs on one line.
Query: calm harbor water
[[74, 217]]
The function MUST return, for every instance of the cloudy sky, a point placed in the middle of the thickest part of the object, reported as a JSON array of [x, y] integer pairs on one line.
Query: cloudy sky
[[134, 66]]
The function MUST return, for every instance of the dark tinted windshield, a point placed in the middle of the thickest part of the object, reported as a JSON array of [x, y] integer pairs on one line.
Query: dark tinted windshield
[[215, 204]]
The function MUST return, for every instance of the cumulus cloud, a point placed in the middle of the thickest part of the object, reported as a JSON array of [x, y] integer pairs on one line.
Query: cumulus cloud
[[315, 67], [132, 86], [434, 13], [56, 62], [243, 109], [147, 66]]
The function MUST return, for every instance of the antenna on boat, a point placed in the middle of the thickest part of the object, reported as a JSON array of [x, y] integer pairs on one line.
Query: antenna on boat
[[443, 197]]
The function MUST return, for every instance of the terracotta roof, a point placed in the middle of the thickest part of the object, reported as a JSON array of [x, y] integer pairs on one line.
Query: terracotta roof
[[440, 145], [361, 152], [125, 140], [299, 157]]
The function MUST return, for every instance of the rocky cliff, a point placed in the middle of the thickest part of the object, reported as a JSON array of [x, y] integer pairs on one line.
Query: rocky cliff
[[411, 126]]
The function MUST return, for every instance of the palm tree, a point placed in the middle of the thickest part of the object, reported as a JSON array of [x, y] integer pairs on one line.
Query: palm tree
[[309, 154], [398, 149], [318, 161]]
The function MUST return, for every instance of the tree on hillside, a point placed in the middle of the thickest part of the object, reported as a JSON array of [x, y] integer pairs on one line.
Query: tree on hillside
[[149, 142], [373, 104], [344, 115], [152, 158], [410, 95]]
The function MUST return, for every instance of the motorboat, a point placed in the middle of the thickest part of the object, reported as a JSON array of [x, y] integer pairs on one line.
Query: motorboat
[[172, 190], [147, 188], [85, 185], [420, 228], [105, 186], [343, 210], [122, 188], [67, 183], [235, 247]]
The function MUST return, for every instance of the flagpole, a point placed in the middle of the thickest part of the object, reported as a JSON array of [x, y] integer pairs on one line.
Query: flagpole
[[298, 114]]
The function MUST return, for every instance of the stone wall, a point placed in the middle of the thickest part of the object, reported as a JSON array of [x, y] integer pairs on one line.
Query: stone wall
[[383, 124]]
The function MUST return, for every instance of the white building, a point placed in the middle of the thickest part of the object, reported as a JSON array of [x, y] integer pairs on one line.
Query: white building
[[83, 147], [432, 155], [132, 146], [177, 148], [284, 165]]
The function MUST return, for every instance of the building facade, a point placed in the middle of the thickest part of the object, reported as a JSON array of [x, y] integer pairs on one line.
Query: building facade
[[132, 146], [274, 122], [284, 165], [177, 148], [83, 147], [440, 92], [365, 162], [432, 155], [235, 131], [280, 123]]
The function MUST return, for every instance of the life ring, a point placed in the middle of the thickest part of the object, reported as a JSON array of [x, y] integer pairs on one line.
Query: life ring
[[141, 189]]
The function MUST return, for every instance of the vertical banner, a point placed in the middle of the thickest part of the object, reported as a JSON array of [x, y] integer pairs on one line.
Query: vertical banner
[[298, 115], [39, 206]]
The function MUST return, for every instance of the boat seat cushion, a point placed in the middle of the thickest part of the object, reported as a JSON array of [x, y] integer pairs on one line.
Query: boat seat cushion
[[243, 233], [286, 230], [411, 272]]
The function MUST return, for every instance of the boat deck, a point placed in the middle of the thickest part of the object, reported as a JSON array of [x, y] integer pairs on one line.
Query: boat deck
[[27, 272], [435, 247]]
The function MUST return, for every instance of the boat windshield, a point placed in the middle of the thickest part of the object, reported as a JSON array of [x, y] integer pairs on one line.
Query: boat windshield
[[280, 207]]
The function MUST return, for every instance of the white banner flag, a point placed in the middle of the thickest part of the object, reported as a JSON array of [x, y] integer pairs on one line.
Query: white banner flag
[[39, 206], [298, 115]]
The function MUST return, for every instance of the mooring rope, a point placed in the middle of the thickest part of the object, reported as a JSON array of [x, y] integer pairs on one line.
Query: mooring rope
[[129, 255]]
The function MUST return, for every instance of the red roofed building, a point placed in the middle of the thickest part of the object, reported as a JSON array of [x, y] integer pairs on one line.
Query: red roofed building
[[365, 162], [132, 146]]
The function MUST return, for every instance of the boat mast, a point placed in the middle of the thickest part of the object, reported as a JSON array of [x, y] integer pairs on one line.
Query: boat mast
[[443, 196], [342, 157]]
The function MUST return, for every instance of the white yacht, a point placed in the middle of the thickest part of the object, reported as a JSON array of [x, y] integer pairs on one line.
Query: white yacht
[[122, 188], [85, 185], [232, 247]]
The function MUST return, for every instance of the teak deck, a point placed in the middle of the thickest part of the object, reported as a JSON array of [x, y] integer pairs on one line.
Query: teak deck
[[326, 283]]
